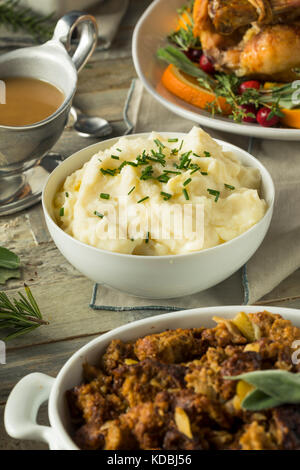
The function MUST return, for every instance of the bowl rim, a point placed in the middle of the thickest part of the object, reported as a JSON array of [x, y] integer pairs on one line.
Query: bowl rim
[[256, 164], [223, 123], [197, 313]]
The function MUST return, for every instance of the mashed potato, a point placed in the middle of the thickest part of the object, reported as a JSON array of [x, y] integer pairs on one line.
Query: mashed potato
[[116, 199]]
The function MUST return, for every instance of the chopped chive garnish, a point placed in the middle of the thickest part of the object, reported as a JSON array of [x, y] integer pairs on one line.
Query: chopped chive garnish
[[215, 193], [115, 157], [186, 194], [108, 171], [104, 196], [132, 189], [187, 181], [172, 140], [166, 196], [122, 166], [157, 160], [67, 194], [196, 155], [127, 163], [147, 173], [148, 236], [62, 212], [159, 157], [175, 151], [228, 186], [142, 200], [142, 159], [119, 150], [98, 214], [184, 160], [163, 178], [159, 143], [173, 172], [206, 154], [204, 173], [196, 168]]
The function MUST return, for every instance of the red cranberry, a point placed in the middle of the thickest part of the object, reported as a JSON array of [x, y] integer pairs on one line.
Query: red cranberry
[[263, 118], [206, 64], [193, 54], [249, 84], [249, 108]]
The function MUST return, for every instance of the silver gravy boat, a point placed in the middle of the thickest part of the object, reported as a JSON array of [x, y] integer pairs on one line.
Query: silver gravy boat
[[23, 148]]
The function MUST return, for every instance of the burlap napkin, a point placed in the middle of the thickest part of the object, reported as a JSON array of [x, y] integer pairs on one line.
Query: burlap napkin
[[278, 256]]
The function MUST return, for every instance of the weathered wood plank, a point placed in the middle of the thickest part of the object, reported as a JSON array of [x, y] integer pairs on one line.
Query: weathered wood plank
[[7, 443], [111, 74], [62, 292], [47, 358], [65, 304]]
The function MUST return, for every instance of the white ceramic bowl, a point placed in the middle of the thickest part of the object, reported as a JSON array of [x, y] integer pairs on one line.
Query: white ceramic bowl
[[150, 34], [145, 276], [34, 389]]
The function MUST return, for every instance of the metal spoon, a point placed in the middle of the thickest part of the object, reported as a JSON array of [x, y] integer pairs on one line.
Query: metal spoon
[[90, 126]]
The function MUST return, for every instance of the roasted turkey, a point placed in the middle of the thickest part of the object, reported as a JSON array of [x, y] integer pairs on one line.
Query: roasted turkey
[[256, 38]]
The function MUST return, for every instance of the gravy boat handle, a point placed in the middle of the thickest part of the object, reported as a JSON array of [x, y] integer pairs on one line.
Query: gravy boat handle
[[88, 36]]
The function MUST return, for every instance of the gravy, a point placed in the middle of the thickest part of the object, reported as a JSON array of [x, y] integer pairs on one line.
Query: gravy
[[28, 101]]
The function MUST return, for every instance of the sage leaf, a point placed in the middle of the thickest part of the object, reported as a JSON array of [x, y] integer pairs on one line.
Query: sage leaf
[[171, 55], [258, 400], [8, 259], [6, 274], [280, 386]]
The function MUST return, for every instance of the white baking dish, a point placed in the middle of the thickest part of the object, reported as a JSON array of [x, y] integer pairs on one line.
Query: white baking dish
[[27, 396]]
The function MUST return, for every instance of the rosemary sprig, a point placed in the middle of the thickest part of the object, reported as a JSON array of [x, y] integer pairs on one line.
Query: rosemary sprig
[[17, 17], [19, 315]]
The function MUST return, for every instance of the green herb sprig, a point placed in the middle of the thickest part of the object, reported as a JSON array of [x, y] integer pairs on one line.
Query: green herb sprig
[[19, 17], [226, 85], [215, 193], [171, 55], [19, 315], [185, 39], [272, 388]]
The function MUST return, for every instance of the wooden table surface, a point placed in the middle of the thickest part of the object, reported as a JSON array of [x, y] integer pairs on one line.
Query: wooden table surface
[[62, 292]]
